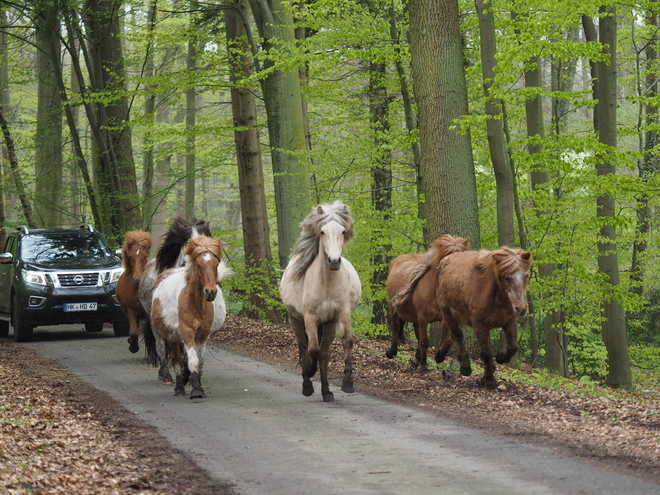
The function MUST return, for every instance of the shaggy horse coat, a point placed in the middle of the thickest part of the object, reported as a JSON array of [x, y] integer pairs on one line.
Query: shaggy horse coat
[[188, 308], [320, 290], [411, 286], [134, 256], [169, 256], [484, 290]]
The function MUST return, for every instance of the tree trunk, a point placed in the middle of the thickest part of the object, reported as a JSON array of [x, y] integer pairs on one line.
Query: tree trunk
[[441, 94], [4, 108], [191, 116], [48, 132], [148, 204], [256, 233], [614, 324], [495, 127], [286, 129], [381, 188]]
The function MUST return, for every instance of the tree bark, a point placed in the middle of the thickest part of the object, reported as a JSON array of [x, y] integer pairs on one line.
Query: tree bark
[[614, 324], [441, 93], [48, 132], [286, 129], [256, 232], [495, 127], [191, 117]]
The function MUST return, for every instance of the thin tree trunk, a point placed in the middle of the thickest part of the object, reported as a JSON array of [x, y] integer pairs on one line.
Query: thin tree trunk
[[4, 108], [495, 127], [191, 117], [16, 172], [614, 324]]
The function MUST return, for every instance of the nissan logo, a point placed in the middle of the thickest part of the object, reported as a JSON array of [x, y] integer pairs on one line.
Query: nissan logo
[[78, 279]]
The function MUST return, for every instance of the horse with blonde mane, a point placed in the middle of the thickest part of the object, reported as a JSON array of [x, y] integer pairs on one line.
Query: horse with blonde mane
[[411, 288], [134, 256], [320, 290], [484, 290]]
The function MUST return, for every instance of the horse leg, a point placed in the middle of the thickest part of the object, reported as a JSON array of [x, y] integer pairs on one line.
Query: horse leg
[[396, 327], [347, 343], [510, 341], [134, 332], [422, 344], [313, 348], [194, 365], [298, 328], [446, 343], [461, 353], [483, 338], [164, 356], [175, 352], [327, 336]]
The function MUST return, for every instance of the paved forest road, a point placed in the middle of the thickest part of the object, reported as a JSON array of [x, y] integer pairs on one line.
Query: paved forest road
[[256, 430]]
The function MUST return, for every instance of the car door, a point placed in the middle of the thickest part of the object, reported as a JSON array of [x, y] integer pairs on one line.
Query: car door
[[6, 273]]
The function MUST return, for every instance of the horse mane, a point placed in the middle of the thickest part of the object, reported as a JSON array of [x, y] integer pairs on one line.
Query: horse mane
[[175, 239], [505, 260], [442, 247], [139, 237], [307, 245]]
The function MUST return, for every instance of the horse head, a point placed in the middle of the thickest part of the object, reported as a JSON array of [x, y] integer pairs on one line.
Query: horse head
[[135, 253], [334, 229], [203, 255], [512, 268]]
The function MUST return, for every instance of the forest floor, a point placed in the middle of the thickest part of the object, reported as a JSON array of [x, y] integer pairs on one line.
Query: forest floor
[[60, 435]]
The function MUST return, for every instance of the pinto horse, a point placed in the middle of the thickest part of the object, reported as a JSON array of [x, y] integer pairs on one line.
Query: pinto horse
[[134, 255], [411, 288], [484, 290], [169, 256], [320, 290], [188, 308]]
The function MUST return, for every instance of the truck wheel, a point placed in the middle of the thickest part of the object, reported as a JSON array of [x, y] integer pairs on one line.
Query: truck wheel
[[22, 330]]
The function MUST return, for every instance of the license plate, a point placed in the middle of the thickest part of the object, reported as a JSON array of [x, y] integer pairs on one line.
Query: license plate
[[84, 306]]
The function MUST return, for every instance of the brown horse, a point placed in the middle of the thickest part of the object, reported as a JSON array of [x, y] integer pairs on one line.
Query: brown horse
[[134, 255], [484, 290], [188, 308], [411, 288]]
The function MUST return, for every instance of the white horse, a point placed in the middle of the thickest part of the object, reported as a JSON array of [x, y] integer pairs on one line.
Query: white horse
[[320, 289]]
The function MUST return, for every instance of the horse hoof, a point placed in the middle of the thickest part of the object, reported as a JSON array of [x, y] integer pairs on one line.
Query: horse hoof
[[179, 392], [502, 358], [197, 394], [390, 353], [134, 347], [347, 388], [488, 382], [308, 390], [328, 397], [440, 356], [165, 378], [466, 371]]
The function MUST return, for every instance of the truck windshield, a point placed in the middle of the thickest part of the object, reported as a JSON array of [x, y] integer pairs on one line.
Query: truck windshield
[[63, 246]]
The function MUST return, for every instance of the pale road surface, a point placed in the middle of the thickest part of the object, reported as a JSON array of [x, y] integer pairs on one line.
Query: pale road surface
[[257, 431]]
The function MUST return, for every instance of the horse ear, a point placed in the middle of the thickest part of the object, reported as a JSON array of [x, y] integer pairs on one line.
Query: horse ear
[[526, 255], [319, 209], [466, 243]]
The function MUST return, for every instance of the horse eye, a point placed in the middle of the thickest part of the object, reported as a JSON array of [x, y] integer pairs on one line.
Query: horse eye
[[322, 233], [343, 232]]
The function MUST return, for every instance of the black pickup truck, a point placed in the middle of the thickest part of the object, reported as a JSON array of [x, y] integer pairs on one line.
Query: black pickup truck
[[58, 276]]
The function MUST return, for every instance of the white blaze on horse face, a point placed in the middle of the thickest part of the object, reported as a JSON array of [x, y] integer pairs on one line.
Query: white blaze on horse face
[[516, 291], [332, 243], [206, 257]]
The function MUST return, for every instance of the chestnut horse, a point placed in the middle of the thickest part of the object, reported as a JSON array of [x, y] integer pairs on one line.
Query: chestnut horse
[[411, 286], [484, 290], [169, 256], [320, 290], [188, 308], [134, 255]]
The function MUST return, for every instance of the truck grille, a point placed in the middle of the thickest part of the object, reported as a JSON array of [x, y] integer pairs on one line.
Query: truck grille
[[78, 279]]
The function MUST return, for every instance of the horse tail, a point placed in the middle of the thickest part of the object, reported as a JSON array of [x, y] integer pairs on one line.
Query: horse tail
[[402, 296], [150, 354]]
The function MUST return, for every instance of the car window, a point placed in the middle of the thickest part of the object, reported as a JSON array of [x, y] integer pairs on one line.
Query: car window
[[10, 246], [63, 246]]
